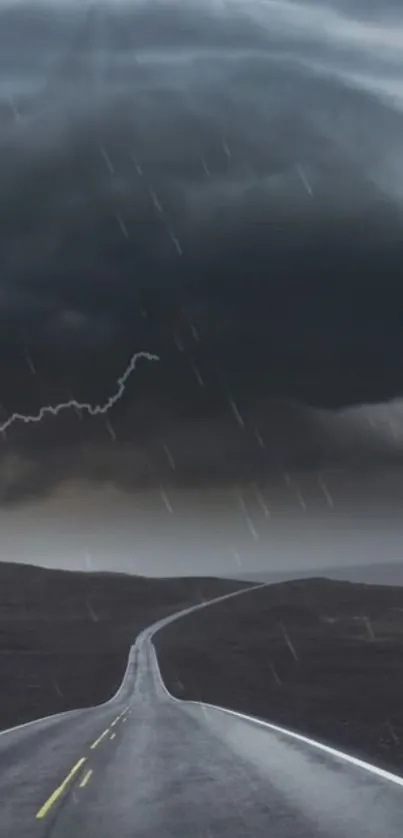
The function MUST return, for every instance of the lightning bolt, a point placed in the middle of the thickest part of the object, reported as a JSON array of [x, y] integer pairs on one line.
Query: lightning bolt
[[92, 410]]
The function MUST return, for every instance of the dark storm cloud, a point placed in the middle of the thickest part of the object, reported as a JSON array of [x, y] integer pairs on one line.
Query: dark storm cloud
[[217, 184], [274, 439]]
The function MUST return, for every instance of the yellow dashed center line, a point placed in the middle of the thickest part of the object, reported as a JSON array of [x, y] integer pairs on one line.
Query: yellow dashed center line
[[86, 778], [100, 738], [60, 789]]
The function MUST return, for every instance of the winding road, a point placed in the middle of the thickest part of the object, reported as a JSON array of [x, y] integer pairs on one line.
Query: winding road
[[146, 765]]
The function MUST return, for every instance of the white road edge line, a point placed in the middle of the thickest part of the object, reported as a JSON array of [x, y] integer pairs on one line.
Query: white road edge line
[[359, 763]]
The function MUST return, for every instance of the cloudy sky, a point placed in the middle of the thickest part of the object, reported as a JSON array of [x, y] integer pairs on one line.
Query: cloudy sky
[[218, 184]]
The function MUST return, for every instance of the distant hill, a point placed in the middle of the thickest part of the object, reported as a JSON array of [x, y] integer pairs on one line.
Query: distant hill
[[371, 574]]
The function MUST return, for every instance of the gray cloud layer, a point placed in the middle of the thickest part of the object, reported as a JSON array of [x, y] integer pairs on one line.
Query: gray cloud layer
[[217, 184]]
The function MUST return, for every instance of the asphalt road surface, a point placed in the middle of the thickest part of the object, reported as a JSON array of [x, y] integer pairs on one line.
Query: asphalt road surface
[[146, 765]]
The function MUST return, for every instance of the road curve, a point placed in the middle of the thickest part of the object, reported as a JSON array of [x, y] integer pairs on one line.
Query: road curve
[[145, 765]]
